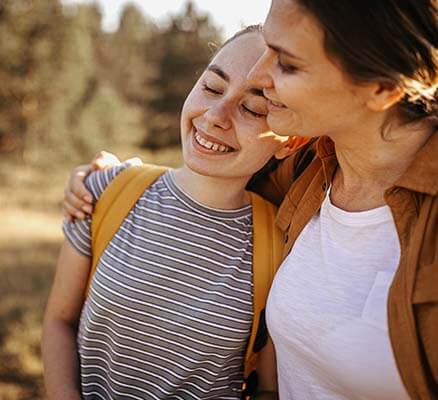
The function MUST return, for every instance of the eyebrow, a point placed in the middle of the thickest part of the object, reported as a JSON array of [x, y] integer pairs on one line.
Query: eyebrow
[[219, 71], [279, 49]]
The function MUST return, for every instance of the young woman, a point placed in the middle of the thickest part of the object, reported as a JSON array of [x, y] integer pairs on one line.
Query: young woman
[[170, 307], [353, 310]]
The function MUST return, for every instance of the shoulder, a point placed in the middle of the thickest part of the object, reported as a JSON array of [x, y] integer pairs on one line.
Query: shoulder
[[98, 181]]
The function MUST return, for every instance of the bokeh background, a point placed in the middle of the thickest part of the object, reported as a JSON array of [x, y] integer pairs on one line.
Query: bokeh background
[[75, 78]]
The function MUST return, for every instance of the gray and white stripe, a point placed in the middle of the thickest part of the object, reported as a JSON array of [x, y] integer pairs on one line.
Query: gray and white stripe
[[170, 307]]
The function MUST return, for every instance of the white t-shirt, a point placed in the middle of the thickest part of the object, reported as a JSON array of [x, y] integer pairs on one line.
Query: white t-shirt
[[327, 309]]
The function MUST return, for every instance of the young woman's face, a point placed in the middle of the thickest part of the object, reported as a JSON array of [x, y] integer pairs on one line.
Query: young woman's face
[[309, 95], [223, 124]]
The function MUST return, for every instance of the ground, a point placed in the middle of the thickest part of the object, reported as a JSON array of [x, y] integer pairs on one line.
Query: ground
[[30, 235]]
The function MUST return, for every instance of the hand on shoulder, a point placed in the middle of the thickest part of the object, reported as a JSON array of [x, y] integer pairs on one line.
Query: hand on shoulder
[[78, 201]]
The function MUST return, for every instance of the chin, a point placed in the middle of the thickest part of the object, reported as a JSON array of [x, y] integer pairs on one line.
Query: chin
[[198, 169], [196, 165], [284, 125], [282, 129]]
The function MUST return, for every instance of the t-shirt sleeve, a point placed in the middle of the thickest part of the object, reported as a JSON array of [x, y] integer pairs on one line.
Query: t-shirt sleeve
[[78, 233]]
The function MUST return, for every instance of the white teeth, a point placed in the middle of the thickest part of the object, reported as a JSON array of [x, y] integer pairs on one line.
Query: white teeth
[[210, 145]]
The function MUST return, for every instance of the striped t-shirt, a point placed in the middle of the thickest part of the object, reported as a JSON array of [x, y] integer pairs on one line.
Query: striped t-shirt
[[169, 312]]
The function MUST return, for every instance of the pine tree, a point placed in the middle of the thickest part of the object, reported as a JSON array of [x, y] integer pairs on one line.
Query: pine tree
[[185, 52], [27, 57], [68, 89], [131, 56]]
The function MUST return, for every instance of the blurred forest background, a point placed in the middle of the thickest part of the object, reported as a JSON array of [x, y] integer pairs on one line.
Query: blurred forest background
[[67, 90]]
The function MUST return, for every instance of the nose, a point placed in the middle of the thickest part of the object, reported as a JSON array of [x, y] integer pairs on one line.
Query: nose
[[260, 73], [219, 115]]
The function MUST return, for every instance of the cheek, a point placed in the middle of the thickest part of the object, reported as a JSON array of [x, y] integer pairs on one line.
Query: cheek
[[185, 113], [259, 126], [264, 148], [288, 92], [193, 104], [295, 90], [187, 110]]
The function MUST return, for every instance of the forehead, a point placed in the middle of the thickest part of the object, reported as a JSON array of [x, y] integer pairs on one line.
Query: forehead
[[288, 27], [240, 55]]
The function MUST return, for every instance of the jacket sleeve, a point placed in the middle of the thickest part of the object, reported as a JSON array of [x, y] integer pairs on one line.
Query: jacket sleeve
[[425, 297], [273, 181]]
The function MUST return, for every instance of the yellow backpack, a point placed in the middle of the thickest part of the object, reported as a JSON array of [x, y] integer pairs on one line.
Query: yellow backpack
[[121, 195]]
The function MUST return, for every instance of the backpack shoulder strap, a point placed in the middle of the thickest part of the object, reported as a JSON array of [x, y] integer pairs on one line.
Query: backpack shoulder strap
[[266, 258], [114, 205]]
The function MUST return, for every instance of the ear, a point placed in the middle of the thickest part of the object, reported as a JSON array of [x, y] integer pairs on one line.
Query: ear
[[384, 95], [290, 146]]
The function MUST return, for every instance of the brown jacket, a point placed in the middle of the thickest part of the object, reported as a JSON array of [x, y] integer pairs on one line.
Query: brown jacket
[[298, 185]]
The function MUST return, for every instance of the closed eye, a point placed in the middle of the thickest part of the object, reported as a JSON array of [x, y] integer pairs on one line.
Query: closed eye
[[286, 68], [210, 89], [253, 113]]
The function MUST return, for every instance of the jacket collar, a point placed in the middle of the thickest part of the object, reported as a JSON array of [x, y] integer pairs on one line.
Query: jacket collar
[[325, 148], [422, 174]]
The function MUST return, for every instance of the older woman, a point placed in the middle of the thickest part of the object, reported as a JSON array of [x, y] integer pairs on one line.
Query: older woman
[[353, 310]]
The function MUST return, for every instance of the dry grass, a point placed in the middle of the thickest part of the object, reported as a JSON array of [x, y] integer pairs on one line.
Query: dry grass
[[30, 211]]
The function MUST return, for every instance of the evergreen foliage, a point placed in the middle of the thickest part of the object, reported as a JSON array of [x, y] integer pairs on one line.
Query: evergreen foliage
[[184, 53], [68, 89]]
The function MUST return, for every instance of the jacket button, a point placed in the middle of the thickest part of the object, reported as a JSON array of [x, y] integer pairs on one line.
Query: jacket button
[[324, 186]]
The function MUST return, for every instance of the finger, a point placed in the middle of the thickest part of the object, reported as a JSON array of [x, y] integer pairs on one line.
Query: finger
[[77, 203], [67, 217], [72, 212], [134, 161], [68, 210], [82, 171], [104, 159], [77, 187], [87, 209], [100, 154], [70, 219]]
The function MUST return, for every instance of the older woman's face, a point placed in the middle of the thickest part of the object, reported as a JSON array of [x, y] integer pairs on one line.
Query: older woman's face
[[309, 95]]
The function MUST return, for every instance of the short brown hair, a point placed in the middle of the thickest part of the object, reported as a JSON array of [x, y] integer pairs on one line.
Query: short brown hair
[[249, 29]]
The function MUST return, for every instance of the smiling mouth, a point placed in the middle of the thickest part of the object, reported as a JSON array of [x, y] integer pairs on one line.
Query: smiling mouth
[[212, 146], [273, 104]]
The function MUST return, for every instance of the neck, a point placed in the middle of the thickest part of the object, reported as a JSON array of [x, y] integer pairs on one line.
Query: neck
[[370, 164], [214, 192]]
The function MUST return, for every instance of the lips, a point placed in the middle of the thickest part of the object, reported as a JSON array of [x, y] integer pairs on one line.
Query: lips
[[277, 104], [273, 104]]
